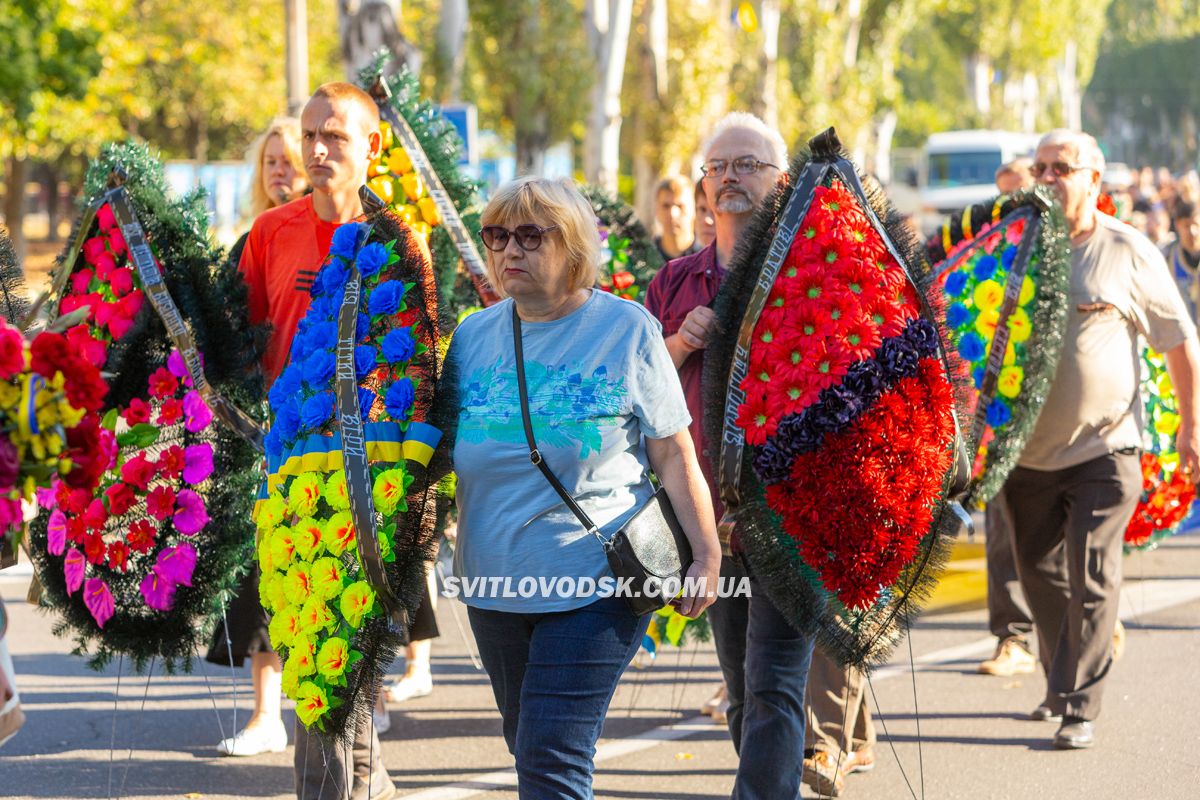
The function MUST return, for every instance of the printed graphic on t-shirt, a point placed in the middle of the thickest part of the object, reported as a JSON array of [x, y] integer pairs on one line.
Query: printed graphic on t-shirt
[[566, 408]]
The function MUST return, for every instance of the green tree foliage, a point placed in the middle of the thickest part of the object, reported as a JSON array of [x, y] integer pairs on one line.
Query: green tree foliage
[[45, 47], [529, 72]]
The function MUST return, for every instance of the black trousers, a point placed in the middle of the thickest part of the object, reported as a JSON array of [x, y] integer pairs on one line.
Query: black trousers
[[1008, 612], [1068, 529]]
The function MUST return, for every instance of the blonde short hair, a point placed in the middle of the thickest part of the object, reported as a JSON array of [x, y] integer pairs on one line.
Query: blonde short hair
[[288, 131], [1087, 149], [546, 202]]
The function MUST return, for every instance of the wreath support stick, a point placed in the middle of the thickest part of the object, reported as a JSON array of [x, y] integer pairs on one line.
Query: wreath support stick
[[354, 451], [159, 297], [63, 273], [450, 218]]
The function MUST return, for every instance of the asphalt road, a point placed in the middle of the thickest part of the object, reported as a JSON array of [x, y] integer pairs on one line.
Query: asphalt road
[[965, 736]]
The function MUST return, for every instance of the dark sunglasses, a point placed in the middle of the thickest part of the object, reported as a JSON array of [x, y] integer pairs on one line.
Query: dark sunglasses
[[1060, 168], [528, 236]]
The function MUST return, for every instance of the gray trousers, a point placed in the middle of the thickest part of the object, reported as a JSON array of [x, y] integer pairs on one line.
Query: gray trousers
[[327, 770], [1069, 529], [839, 716], [1008, 613]]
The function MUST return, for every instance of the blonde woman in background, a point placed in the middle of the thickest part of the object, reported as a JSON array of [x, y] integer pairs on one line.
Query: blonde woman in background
[[278, 177]]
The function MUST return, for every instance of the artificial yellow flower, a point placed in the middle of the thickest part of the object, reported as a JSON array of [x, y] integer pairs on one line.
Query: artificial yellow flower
[[284, 627], [307, 535], [1009, 384], [336, 494], [291, 680], [389, 490], [339, 533], [304, 493], [357, 600], [311, 703], [327, 576], [1167, 424], [271, 511], [1027, 291], [298, 584], [1019, 326], [303, 654], [333, 658], [988, 295], [283, 546], [986, 323], [315, 616]]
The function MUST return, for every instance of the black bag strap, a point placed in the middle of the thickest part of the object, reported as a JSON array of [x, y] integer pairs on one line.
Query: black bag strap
[[534, 455]]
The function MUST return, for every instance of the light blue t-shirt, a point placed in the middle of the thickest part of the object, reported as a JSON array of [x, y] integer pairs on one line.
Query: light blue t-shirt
[[599, 379]]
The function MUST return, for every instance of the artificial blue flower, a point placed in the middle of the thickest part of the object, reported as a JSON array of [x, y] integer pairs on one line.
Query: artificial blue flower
[[1008, 256], [998, 413], [866, 379], [332, 278], [344, 239], [285, 386], [923, 336], [398, 346], [956, 283], [316, 410], [371, 259], [385, 300], [366, 399], [364, 360], [898, 357], [399, 400], [319, 368], [957, 315], [273, 443], [287, 419], [325, 307], [977, 376], [362, 327], [985, 268], [970, 346]]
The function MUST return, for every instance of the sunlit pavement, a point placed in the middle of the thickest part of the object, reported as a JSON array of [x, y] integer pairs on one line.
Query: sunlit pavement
[[970, 739]]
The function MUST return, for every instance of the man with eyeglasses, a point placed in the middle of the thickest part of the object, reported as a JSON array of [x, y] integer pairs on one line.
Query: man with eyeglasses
[[1079, 478], [764, 660]]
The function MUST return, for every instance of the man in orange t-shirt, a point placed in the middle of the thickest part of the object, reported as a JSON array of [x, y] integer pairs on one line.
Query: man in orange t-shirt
[[284, 251]]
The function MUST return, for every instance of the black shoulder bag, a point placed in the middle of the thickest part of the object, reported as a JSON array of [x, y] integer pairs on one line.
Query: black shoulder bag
[[649, 549]]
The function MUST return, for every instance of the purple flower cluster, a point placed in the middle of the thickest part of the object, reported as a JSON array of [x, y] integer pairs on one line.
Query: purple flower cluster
[[838, 406]]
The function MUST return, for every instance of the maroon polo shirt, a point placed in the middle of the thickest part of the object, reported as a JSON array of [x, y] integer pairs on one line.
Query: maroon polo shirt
[[680, 286]]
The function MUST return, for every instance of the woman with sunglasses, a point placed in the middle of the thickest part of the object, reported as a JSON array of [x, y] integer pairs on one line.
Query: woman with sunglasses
[[606, 407]]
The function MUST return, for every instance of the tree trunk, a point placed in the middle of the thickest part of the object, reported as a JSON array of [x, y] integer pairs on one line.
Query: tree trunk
[[296, 55], [532, 140], [979, 72], [451, 50], [767, 106], [50, 179], [365, 27], [14, 203], [608, 34], [884, 132], [198, 139]]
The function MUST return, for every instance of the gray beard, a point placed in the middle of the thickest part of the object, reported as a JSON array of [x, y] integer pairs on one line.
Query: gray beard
[[734, 203]]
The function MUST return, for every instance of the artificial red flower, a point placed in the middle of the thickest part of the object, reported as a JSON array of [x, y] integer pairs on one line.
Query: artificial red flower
[[120, 498], [81, 281], [90, 451], [138, 471], [756, 420], [118, 556], [170, 411], [105, 218], [141, 536], [85, 388], [163, 383], [91, 349], [160, 503], [94, 549], [121, 281], [171, 462], [93, 248], [12, 352], [50, 353], [116, 242], [95, 516], [137, 412]]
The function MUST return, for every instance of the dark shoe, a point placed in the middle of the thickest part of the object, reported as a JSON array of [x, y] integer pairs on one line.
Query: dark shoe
[[1075, 734], [1043, 713]]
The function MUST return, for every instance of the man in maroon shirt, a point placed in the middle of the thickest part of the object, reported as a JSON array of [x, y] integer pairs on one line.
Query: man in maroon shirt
[[764, 659]]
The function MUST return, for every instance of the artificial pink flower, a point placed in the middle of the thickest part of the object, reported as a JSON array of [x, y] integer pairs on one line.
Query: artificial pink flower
[[198, 414], [192, 516], [160, 503], [93, 248], [99, 600], [163, 383], [198, 461], [138, 471], [116, 241], [121, 281], [170, 411], [178, 367], [104, 264], [96, 515], [12, 352], [120, 498], [176, 564], [73, 566], [137, 412], [92, 349], [81, 281], [171, 462], [158, 592]]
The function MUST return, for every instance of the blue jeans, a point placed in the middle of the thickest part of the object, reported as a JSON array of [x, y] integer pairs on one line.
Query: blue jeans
[[765, 662], [553, 675]]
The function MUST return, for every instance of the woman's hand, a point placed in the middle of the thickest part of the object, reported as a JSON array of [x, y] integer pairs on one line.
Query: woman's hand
[[703, 577]]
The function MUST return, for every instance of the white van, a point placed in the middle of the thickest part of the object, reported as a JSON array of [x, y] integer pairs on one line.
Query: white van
[[959, 169]]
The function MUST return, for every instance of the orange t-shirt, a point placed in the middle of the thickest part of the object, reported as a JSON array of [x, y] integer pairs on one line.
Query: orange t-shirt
[[282, 257]]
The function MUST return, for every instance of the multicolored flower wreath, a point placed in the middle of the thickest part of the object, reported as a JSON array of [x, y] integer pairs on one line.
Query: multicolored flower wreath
[[846, 407], [139, 542], [629, 259], [49, 406], [1167, 494], [328, 623], [976, 259]]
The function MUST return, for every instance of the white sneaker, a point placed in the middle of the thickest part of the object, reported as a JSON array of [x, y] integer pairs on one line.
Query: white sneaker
[[271, 738], [418, 684], [382, 721]]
